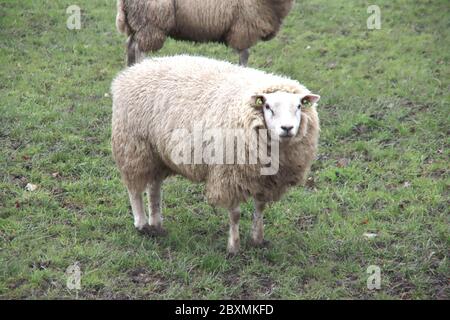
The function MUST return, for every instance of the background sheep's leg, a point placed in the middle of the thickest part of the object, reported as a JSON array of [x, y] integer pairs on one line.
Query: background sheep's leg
[[233, 240], [154, 206], [137, 206], [258, 225], [134, 55], [243, 57], [131, 52]]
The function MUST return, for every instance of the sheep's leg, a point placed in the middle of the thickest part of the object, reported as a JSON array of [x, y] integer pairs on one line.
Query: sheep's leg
[[131, 51], [154, 228], [134, 55], [233, 240], [243, 57], [258, 225], [137, 206], [154, 207]]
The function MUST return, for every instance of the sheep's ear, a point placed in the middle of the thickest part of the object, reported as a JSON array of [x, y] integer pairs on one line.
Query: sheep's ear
[[309, 99], [258, 101]]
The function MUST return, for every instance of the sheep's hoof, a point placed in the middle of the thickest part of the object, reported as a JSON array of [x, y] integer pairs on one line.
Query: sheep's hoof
[[260, 244], [232, 254], [232, 251], [153, 231]]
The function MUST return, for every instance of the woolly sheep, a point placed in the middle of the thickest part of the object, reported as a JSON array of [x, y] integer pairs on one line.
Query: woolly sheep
[[237, 23], [157, 97]]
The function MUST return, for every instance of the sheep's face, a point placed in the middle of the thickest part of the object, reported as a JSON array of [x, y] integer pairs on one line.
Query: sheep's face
[[283, 111]]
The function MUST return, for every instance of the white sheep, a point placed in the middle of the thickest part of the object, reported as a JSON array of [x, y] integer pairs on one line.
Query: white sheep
[[160, 105], [237, 23]]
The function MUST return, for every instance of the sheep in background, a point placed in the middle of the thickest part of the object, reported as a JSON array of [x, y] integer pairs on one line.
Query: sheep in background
[[157, 97], [239, 24]]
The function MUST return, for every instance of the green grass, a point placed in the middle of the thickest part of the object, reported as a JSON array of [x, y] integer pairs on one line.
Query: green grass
[[385, 108]]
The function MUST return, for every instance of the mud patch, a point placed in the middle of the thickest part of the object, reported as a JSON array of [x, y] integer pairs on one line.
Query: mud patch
[[306, 222], [143, 277], [16, 284]]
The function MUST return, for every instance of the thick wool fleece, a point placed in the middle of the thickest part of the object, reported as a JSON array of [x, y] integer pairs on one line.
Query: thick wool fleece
[[238, 23], [157, 96]]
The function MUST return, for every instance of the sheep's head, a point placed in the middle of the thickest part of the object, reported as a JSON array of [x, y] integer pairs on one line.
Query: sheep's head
[[283, 111]]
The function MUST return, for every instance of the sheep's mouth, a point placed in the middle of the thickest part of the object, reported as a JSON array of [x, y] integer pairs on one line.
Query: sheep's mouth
[[286, 136]]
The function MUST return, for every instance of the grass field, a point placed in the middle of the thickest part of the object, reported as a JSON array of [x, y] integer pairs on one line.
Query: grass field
[[383, 164]]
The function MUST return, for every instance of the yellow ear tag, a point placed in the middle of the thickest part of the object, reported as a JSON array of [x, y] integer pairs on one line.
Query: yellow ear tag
[[259, 102], [306, 103]]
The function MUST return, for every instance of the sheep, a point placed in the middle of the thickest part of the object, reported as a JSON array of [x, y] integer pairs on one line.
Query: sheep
[[239, 24], [159, 104]]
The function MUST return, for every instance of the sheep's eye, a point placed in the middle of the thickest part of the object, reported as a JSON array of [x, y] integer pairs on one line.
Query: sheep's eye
[[299, 106], [268, 108]]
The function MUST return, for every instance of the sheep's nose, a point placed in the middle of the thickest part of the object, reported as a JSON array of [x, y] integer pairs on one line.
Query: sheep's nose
[[287, 128]]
